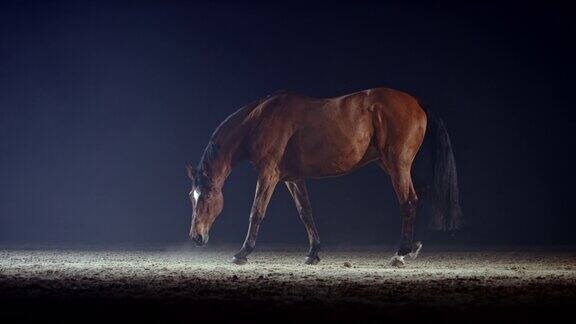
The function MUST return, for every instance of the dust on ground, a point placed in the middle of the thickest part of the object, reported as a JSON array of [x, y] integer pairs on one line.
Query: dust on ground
[[158, 283]]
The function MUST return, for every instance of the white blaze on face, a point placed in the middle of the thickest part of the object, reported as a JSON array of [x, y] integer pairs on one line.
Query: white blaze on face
[[196, 195]]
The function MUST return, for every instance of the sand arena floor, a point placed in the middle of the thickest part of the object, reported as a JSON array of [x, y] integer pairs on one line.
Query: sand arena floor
[[159, 284]]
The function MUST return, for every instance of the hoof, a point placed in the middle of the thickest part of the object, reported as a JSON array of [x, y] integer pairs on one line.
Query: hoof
[[239, 261], [397, 261], [312, 260], [415, 250]]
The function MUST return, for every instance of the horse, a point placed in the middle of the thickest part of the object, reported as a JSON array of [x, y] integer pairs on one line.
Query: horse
[[289, 137]]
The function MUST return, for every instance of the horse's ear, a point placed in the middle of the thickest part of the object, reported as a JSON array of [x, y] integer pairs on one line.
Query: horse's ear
[[190, 171]]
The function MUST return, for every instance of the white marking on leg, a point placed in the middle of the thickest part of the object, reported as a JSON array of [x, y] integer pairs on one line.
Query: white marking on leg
[[414, 254], [397, 261]]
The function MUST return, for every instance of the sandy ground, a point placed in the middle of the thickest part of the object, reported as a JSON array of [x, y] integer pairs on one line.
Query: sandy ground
[[159, 284]]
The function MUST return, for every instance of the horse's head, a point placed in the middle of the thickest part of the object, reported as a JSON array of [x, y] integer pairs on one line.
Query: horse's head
[[207, 203]]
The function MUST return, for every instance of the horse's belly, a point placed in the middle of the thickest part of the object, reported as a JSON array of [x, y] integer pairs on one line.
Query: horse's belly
[[321, 152]]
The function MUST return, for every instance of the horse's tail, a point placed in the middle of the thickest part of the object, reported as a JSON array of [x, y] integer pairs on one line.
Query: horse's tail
[[443, 194]]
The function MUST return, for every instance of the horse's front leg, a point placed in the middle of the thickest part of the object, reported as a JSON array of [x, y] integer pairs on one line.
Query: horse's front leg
[[267, 181]]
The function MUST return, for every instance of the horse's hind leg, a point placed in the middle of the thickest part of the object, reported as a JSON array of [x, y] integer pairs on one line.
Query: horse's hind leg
[[402, 182], [398, 163], [267, 181], [399, 134], [299, 192]]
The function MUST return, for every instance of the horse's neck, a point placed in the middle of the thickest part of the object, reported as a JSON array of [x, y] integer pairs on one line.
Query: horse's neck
[[218, 170], [228, 139], [227, 152]]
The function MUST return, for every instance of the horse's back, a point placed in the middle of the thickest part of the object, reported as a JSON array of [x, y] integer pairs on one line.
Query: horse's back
[[309, 137]]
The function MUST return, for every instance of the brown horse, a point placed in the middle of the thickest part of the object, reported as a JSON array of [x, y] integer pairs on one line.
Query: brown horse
[[291, 137]]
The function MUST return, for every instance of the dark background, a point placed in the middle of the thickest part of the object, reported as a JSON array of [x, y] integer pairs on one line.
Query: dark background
[[103, 103]]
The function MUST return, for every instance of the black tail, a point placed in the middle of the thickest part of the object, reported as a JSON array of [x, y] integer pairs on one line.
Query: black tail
[[442, 194]]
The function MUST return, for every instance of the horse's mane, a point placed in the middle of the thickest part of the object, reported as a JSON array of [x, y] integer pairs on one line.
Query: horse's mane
[[213, 148]]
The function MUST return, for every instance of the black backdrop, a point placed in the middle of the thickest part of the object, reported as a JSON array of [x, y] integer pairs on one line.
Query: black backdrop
[[103, 103]]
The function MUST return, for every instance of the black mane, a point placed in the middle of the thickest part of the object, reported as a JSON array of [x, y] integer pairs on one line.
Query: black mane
[[210, 154], [213, 150]]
